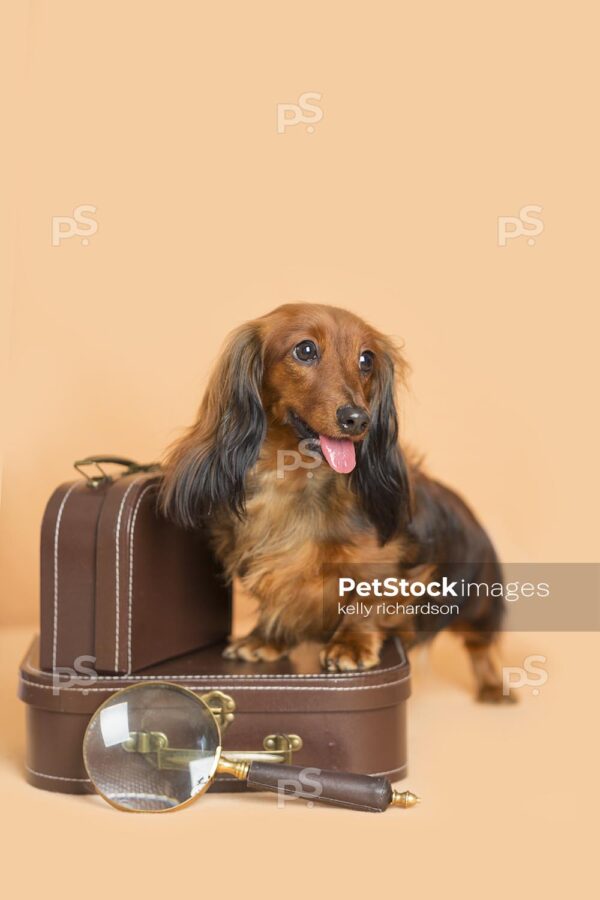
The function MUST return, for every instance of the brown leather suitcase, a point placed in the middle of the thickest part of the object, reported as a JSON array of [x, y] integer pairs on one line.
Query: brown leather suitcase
[[349, 721], [121, 587]]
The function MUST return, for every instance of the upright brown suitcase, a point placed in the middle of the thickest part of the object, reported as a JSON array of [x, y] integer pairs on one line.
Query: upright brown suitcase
[[122, 587], [351, 721]]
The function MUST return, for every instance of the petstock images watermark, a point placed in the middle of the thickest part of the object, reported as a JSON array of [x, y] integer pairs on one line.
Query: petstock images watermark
[[534, 596], [527, 224], [81, 224], [304, 112]]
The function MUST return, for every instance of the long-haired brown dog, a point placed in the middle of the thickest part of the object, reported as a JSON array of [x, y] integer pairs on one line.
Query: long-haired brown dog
[[321, 375]]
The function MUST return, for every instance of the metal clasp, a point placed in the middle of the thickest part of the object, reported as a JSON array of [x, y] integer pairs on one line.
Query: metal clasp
[[154, 745], [277, 748], [222, 706], [284, 744]]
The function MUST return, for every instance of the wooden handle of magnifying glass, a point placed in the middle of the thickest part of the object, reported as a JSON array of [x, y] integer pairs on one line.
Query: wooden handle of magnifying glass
[[362, 792]]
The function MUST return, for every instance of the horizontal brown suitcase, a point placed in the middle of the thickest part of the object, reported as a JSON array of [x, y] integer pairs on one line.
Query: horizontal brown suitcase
[[122, 587], [349, 721]]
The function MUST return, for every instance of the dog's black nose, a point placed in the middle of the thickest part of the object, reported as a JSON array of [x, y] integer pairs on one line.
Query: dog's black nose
[[352, 419]]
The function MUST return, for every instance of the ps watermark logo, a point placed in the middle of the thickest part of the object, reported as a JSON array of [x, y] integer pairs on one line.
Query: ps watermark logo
[[526, 675], [510, 227], [79, 675], [289, 114], [306, 785], [80, 224], [305, 457]]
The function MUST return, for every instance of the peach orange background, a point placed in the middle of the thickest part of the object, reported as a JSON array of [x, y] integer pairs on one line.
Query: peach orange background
[[437, 119]]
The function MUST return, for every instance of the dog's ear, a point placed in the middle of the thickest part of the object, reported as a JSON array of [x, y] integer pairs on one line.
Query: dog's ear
[[380, 478], [207, 468]]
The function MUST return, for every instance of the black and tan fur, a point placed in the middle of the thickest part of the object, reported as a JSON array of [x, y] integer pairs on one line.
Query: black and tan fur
[[277, 534]]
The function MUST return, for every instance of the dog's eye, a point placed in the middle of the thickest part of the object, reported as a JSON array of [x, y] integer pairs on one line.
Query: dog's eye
[[365, 361], [306, 351]]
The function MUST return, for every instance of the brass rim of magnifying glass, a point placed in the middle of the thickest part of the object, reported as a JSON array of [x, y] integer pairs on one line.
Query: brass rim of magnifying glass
[[199, 792]]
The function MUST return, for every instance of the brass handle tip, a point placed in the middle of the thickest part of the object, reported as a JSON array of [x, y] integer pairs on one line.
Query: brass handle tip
[[404, 799]]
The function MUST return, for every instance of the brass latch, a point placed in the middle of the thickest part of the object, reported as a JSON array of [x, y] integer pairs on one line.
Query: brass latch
[[277, 748], [287, 744], [222, 706]]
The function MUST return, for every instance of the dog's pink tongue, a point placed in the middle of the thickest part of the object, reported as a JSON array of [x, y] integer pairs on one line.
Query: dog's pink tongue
[[339, 453]]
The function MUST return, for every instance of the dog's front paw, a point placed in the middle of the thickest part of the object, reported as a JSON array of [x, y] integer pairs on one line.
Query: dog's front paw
[[253, 648], [351, 652]]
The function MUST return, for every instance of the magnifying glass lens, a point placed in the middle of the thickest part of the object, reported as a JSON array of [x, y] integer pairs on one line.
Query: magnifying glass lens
[[151, 747]]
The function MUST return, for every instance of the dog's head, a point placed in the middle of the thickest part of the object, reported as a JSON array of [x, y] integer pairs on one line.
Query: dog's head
[[315, 373]]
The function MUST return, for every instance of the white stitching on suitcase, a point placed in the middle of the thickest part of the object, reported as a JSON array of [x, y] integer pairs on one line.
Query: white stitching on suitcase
[[223, 778], [237, 687], [117, 573], [232, 675], [56, 777], [56, 536], [131, 537]]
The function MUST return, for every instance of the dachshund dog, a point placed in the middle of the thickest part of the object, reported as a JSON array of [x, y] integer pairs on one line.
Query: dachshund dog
[[320, 378]]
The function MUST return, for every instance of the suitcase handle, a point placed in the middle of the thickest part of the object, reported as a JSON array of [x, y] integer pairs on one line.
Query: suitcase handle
[[130, 465]]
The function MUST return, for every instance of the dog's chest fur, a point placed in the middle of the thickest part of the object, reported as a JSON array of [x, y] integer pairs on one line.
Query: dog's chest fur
[[294, 528]]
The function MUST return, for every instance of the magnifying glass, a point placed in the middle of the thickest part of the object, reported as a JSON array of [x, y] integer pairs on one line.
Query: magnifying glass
[[157, 747]]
